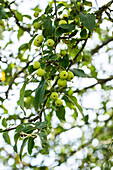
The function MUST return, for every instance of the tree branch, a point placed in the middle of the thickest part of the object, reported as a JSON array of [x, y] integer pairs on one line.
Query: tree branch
[[55, 8], [15, 76], [100, 81], [16, 19], [98, 47], [103, 9]]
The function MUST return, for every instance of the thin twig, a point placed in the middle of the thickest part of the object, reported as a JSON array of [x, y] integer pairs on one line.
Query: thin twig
[[15, 76], [55, 8], [98, 47], [100, 81]]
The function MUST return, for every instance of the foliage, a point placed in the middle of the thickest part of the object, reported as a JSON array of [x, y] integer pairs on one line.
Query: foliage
[[62, 41]]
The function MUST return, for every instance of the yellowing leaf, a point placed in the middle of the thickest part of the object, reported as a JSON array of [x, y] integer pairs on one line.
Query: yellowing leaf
[[3, 76]]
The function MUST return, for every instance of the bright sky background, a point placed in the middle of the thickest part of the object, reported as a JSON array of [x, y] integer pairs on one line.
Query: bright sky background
[[25, 9]]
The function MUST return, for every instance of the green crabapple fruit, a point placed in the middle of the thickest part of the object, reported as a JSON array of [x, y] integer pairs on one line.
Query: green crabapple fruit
[[63, 75], [63, 52], [65, 16], [40, 72], [36, 65], [61, 83], [36, 25], [54, 95], [50, 42], [58, 102], [70, 76], [36, 13], [36, 43], [39, 39], [70, 92], [62, 22]]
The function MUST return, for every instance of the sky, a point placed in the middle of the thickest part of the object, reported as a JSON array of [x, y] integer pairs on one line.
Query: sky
[[25, 9]]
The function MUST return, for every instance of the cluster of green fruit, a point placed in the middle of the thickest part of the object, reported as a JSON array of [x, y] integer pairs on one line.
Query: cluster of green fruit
[[54, 96], [37, 25], [40, 72], [64, 77], [39, 39], [62, 82]]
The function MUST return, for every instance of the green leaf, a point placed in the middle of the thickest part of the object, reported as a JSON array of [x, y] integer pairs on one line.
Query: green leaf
[[39, 94], [60, 5], [27, 16], [79, 72], [30, 145], [22, 92], [44, 142], [10, 42], [86, 119], [60, 113], [66, 28], [19, 128], [88, 20], [48, 30], [31, 69], [28, 93], [6, 138], [41, 125], [23, 47], [1, 130], [48, 9], [5, 110], [3, 14], [73, 33], [16, 136], [88, 3], [64, 62], [19, 15], [22, 147], [30, 42], [4, 122], [28, 129], [83, 33], [36, 8], [20, 33], [74, 99]]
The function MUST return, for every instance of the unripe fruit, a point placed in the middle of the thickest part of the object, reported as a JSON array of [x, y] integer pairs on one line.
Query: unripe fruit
[[65, 16], [70, 92], [54, 95], [70, 76], [58, 102], [63, 75], [28, 100], [62, 22], [36, 13], [36, 65], [50, 42], [61, 83], [36, 43], [63, 52], [40, 72], [39, 39], [36, 25]]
